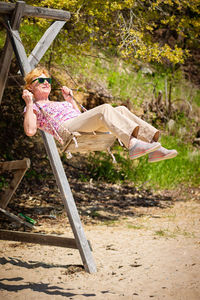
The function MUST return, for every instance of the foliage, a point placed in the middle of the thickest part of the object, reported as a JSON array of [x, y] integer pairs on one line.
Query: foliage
[[126, 81], [155, 30]]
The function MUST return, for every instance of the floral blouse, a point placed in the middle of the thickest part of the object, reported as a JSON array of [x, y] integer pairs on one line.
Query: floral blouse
[[51, 116]]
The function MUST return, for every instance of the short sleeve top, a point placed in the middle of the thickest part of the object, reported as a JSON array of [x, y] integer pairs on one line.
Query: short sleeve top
[[51, 116]]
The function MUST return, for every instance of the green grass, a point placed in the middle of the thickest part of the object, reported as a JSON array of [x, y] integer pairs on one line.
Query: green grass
[[173, 234], [2, 38], [136, 227], [184, 169], [197, 97], [127, 81]]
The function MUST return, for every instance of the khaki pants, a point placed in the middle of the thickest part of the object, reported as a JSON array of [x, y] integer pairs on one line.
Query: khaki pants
[[118, 120]]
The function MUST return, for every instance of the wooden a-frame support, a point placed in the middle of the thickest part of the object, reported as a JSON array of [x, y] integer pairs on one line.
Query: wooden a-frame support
[[14, 13]]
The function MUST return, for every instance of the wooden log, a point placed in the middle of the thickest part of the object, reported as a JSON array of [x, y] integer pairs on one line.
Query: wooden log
[[36, 238], [8, 49], [33, 11]]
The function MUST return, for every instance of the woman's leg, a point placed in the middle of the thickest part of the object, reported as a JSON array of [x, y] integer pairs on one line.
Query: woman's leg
[[104, 118], [147, 132]]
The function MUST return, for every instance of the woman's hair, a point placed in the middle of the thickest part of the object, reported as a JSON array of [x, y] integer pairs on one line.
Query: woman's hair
[[34, 74]]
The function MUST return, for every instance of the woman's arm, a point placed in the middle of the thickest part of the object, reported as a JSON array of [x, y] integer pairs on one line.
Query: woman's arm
[[30, 119], [68, 96]]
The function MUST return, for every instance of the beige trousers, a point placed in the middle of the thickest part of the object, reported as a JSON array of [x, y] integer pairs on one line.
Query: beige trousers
[[118, 120]]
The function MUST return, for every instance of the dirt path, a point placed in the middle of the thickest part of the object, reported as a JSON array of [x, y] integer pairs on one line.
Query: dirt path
[[154, 255]]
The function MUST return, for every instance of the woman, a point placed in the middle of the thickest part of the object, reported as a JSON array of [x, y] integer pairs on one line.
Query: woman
[[62, 118]]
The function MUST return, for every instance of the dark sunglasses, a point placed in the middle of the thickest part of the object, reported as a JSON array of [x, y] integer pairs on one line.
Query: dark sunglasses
[[42, 80]]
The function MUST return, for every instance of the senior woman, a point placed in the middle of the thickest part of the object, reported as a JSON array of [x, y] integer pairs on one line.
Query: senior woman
[[61, 118]]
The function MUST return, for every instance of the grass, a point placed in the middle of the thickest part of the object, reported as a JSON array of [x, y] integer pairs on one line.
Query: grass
[[168, 234], [2, 38], [128, 81], [184, 169], [136, 227]]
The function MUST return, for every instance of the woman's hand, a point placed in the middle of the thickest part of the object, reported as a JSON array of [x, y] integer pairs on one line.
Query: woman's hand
[[30, 119], [67, 94], [28, 97]]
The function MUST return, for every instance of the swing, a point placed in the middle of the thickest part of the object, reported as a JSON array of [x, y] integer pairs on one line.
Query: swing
[[82, 142], [89, 142]]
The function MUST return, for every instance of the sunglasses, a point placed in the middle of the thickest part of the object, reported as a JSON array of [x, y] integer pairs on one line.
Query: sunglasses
[[42, 80]]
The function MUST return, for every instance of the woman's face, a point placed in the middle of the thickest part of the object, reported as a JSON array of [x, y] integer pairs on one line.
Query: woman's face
[[40, 90]]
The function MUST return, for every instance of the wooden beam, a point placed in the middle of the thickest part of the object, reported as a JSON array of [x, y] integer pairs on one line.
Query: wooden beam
[[33, 11], [20, 168], [44, 43], [15, 164], [64, 187], [35, 238], [20, 51], [69, 203], [8, 50]]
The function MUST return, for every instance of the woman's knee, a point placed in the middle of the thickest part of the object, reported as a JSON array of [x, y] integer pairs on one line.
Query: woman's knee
[[105, 107], [122, 108]]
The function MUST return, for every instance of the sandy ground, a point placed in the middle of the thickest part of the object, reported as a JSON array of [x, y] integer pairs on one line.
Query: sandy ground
[[156, 255]]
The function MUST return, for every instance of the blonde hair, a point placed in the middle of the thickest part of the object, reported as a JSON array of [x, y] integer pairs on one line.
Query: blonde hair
[[33, 74]]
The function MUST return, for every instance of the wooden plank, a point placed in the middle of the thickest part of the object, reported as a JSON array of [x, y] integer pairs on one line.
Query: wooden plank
[[66, 193], [44, 43], [15, 164], [69, 203], [33, 11], [20, 50], [35, 238], [8, 50], [90, 142], [20, 167], [7, 195], [15, 218]]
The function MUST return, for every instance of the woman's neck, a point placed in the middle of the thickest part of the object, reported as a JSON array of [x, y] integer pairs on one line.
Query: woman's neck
[[41, 96], [42, 100]]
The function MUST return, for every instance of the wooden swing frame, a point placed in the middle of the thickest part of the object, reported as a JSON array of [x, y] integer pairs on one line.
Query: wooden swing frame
[[13, 13]]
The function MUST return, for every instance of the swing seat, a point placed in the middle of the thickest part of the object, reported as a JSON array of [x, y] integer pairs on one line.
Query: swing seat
[[88, 142]]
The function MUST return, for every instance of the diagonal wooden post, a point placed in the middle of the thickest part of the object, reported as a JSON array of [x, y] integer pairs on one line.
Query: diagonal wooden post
[[8, 49], [59, 174], [19, 168], [44, 43]]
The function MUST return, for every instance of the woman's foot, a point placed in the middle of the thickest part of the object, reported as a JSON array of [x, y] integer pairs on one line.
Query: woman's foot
[[139, 148], [161, 154]]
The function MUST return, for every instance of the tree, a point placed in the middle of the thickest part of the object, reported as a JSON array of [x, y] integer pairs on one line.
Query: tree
[[163, 31]]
